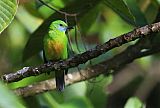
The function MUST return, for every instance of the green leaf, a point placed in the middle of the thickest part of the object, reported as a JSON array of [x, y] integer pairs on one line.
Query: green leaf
[[89, 18], [56, 3], [134, 102], [8, 9], [77, 102], [8, 99], [121, 9], [52, 103], [30, 80], [74, 89], [140, 18], [35, 42], [150, 9]]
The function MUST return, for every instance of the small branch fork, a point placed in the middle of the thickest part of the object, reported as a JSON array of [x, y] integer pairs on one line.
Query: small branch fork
[[84, 57]]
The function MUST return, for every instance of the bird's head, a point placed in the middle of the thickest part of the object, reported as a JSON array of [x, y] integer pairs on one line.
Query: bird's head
[[59, 25]]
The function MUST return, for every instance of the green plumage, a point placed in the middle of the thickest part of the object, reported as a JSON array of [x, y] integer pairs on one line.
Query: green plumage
[[55, 48]]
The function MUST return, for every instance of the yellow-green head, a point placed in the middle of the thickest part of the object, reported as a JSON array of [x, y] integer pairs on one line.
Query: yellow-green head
[[58, 25]]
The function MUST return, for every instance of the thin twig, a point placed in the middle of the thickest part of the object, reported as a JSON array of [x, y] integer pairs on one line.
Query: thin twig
[[59, 11]]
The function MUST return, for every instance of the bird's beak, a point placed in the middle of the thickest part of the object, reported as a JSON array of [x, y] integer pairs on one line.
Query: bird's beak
[[70, 27]]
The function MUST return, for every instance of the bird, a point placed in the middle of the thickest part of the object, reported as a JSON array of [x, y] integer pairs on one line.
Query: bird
[[55, 49]]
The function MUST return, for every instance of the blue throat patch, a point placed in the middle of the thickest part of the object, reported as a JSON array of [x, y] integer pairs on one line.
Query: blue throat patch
[[61, 28]]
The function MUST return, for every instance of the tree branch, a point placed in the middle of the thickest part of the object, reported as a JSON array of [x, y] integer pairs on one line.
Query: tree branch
[[131, 53], [84, 57]]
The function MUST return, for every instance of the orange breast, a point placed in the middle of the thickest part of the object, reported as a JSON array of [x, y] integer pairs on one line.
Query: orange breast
[[55, 50]]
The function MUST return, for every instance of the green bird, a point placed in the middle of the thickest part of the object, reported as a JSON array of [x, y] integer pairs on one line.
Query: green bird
[[55, 49]]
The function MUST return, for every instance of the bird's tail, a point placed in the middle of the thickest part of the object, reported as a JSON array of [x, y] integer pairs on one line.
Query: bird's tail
[[60, 83]]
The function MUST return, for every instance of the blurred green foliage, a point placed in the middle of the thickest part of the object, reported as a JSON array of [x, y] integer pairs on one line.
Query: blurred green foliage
[[8, 10], [98, 22], [8, 99], [134, 102]]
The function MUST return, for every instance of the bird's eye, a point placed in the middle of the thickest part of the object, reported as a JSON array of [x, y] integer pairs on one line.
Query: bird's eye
[[60, 24]]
